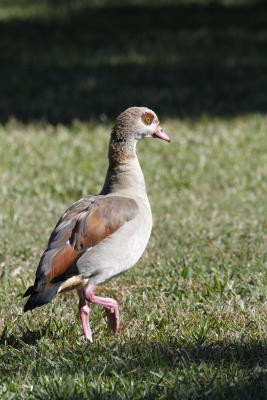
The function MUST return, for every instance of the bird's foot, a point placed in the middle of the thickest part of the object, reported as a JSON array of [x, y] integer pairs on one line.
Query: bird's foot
[[110, 305], [113, 319]]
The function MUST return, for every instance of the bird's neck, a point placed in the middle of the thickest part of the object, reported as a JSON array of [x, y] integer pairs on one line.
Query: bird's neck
[[121, 147], [125, 177], [124, 174]]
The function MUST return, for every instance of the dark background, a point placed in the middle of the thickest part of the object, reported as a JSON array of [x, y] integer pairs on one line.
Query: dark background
[[86, 62]]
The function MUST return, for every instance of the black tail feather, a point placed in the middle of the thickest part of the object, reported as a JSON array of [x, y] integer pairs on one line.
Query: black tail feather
[[29, 291], [37, 299]]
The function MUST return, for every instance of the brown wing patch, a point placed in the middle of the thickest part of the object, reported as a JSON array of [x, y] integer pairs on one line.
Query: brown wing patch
[[61, 261], [76, 232], [81, 205], [105, 218]]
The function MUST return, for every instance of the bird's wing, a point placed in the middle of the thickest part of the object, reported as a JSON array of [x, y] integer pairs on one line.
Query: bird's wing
[[83, 225]]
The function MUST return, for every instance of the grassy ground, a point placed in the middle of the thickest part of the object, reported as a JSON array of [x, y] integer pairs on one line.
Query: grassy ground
[[193, 308]]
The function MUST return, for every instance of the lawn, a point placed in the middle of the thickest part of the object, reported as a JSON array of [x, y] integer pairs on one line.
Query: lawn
[[193, 309]]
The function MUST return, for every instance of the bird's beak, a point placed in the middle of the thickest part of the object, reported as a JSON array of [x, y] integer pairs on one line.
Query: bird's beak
[[161, 134]]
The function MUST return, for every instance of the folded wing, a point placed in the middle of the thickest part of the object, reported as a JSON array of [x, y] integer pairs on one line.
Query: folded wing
[[84, 225]]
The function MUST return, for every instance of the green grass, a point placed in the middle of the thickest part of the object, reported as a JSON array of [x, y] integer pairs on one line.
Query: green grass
[[192, 309]]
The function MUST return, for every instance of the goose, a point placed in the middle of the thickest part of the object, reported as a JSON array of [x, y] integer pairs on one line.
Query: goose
[[101, 236]]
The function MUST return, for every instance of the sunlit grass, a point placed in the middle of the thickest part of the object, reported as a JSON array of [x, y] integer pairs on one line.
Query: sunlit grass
[[192, 309]]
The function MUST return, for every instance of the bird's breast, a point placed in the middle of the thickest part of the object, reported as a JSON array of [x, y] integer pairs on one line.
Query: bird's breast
[[118, 252]]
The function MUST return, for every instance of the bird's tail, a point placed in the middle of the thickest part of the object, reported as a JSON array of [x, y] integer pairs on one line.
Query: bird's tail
[[37, 299]]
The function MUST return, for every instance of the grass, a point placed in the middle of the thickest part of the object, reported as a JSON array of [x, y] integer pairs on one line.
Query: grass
[[193, 309]]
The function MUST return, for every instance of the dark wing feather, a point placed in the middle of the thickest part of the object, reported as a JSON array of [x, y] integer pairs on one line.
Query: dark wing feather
[[83, 225]]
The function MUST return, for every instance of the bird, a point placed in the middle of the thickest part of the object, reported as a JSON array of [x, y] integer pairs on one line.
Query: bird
[[100, 236]]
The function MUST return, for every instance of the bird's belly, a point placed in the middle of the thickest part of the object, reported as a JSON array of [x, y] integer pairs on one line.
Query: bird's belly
[[116, 253]]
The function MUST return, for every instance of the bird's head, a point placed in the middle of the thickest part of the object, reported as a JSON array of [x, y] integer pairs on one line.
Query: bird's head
[[136, 123], [133, 124]]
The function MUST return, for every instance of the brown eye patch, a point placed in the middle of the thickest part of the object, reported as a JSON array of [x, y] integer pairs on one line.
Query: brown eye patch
[[147, 118]]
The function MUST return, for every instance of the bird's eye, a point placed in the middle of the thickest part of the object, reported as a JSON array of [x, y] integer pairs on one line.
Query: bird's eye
[[147, 118]]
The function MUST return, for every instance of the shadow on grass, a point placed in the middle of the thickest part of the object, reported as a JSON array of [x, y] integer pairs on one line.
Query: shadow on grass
[[241, 365], [219, 369], [91, 63], [245, 354], [29, 337]]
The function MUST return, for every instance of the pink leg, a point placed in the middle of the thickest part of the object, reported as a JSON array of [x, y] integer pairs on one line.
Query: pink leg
[[110, 305], [84, 313]]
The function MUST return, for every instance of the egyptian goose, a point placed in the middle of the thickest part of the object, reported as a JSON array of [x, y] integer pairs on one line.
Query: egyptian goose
[[100, 236]]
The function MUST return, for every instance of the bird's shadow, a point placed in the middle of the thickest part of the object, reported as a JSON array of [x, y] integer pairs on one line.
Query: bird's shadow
[[246, 355], [138, 357], [29, 338]]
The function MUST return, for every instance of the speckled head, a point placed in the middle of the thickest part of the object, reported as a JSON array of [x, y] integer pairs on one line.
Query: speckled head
[[133, 124]]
